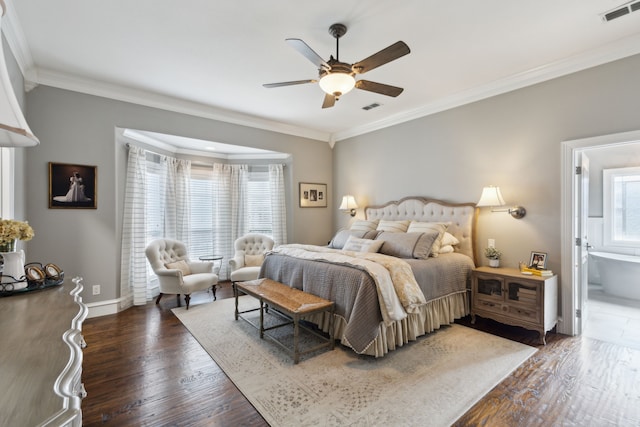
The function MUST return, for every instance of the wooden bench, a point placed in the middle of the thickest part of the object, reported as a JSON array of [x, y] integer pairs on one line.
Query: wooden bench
[[292, 304]]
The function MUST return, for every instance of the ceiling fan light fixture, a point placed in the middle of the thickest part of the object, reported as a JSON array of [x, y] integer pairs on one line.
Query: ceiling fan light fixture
[[337, 83]]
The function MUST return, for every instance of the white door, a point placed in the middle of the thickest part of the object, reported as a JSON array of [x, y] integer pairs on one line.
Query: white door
[[581, 272]]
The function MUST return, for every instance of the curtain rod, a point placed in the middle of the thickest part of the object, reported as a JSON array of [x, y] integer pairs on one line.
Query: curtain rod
[[197, 163]]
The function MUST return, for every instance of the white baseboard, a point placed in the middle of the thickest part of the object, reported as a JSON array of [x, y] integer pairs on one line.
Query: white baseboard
[[103, 308]]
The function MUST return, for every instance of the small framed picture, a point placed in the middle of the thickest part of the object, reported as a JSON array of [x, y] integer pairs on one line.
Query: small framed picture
[[72, 186], [313, 195], [538, 260]]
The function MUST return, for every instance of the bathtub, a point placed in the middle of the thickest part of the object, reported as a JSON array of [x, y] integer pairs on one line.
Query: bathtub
[[619, 274]]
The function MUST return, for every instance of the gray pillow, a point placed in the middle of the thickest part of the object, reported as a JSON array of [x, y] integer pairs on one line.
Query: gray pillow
[[407, 245], [341, 237]]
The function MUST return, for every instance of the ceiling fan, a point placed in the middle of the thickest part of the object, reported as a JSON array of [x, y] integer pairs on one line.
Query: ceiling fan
[[337, 78]]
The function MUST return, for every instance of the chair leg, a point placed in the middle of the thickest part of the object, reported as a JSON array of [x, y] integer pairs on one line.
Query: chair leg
[[213, 289], [158, 299], [178, 299], [187, 298]]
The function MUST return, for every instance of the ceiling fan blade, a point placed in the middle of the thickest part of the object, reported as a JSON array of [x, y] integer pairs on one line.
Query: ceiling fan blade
[[388, 54], [329, 101], [379, 88], [308, 53], [296, 82]]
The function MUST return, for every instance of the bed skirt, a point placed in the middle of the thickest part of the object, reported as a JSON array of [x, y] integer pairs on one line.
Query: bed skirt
[[431, 316]]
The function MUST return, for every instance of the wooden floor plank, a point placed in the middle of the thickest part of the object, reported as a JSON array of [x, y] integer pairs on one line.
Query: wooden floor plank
[[143, 368]]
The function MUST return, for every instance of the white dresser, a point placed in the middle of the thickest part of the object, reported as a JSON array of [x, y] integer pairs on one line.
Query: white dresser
[[41, 357]]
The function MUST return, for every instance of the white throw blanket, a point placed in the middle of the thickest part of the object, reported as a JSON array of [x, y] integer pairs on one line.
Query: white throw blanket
[[398, 291]]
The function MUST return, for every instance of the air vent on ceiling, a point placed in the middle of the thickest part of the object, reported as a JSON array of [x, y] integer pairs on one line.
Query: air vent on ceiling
[[371, 106], [621, 11]]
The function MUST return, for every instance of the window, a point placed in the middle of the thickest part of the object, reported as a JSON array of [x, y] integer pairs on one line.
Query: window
[[202, 220], [259, 202], [155, 189], [621, 206], [201, 237]]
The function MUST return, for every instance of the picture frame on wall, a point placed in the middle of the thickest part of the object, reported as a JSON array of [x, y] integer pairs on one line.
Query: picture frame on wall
[[538, 260], [313, 195], [73, 186]]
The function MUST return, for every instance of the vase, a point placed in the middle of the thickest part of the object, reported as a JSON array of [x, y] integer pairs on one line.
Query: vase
[[9, 246], [495, 263], [13, 269]]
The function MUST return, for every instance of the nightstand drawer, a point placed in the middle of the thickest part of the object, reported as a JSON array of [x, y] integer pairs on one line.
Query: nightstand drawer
[[485, 304], [524, 313]]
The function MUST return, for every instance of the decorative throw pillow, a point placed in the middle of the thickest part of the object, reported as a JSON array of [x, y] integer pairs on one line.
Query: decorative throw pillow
[[407, 245], [364, 225], [449, 239], [446, 249], [362, 245], [179, 265], [393, 226], [440, 227], [253, 260], [341, 237]]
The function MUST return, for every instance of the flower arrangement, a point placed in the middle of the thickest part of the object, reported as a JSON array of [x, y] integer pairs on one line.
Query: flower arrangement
[[492, 253], [11, 230]]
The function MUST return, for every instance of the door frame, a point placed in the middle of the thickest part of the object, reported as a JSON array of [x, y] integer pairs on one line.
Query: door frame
[[568, 323]]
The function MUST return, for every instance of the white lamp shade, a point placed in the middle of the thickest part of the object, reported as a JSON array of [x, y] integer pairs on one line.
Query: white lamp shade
[[337, 84], [491, 196], [348, 203], [14, 131]]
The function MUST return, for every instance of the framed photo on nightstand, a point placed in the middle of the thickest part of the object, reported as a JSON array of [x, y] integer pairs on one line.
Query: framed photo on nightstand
[[538, 260]]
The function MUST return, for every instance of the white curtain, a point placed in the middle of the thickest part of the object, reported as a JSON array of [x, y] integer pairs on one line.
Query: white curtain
[[135, 283], [178, 200], [133, 275], [278, 205], [229, 208]]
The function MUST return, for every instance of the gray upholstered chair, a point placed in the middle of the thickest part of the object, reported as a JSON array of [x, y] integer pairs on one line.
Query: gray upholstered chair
[[176, 273], [249, 254]]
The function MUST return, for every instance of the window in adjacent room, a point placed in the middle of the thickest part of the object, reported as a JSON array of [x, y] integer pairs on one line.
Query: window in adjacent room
[[621, 206]]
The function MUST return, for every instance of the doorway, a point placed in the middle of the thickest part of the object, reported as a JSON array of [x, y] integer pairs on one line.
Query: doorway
[[576, 305]]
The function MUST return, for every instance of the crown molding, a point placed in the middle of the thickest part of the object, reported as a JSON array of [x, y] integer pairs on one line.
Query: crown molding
[[151, 99], [608, 53], [33, 76], [16, 39]]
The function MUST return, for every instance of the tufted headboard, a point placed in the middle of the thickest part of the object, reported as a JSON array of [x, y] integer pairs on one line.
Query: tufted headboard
[[462, 217]]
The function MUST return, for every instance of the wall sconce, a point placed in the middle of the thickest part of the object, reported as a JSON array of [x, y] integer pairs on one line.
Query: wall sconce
[[349, 204], [491, 196]]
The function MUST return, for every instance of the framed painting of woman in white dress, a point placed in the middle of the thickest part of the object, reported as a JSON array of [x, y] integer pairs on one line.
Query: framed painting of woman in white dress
[[72, 186]]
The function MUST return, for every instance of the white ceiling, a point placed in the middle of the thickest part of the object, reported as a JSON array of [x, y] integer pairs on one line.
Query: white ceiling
[[211, 57]]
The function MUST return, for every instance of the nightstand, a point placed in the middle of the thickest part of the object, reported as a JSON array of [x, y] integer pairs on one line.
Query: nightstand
[[510, 297]]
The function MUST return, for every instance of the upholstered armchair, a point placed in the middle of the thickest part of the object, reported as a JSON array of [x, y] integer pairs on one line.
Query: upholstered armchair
[[249, 254], [176, 273]]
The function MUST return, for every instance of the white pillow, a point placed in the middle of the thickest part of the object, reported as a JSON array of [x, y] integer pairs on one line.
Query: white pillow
[[179, 265], [253, 260], [449, 239], [393, 226], [423, 227], [362, 245], [364, 225], [446, 249]]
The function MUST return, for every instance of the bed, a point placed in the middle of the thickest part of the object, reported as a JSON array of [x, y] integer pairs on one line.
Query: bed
[[370, 317]]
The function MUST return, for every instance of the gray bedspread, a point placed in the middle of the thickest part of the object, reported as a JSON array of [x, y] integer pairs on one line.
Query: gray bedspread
[[354, 291]]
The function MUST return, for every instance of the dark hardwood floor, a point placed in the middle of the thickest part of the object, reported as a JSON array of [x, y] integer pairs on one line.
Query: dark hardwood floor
[[143, 368]]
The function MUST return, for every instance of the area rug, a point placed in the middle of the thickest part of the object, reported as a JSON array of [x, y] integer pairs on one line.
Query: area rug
[[430, 382]]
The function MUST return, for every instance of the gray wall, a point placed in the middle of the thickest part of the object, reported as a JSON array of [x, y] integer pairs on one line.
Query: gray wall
[[512, 141], [80, 129]]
